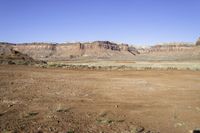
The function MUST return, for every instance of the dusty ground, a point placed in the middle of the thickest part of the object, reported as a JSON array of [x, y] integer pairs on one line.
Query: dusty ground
[[59, 100]]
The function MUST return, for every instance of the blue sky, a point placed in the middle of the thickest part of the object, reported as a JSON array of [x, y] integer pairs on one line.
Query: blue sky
[[144, 22]]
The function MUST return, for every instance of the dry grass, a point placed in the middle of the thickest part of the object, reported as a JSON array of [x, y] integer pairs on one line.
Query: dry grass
[[128, 65]]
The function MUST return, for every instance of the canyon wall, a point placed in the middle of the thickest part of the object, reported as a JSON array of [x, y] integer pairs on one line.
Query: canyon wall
[[10, 56], [65, 51], [106, 50], [170, 52]]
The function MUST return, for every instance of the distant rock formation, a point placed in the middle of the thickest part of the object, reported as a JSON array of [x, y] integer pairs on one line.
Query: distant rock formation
[[66, 51], [10, 56], [133, 50], [169, 52], [198, 42], [102, 50], [167, 47]]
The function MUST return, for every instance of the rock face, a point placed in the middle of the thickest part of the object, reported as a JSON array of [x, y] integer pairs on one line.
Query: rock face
[[10, 56], [198, 42], [169, 52], [133, 50], [105, 50], [65, 51], [168, 47]]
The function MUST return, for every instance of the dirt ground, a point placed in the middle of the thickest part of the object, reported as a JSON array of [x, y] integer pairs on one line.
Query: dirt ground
[[73, 101]]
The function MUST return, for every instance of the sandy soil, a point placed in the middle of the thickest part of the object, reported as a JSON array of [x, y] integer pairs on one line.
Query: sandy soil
[[67, 101]]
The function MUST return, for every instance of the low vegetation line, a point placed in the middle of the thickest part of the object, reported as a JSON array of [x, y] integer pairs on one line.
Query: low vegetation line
[[192, 67]]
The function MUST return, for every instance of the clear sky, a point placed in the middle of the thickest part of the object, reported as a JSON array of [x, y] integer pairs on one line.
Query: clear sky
[[129, 21]]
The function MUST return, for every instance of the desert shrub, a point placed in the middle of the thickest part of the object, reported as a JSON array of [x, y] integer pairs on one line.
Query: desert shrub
[[172, 68], [11, 62], [56, 65], [52, 65], [72, 56], [147, 68]]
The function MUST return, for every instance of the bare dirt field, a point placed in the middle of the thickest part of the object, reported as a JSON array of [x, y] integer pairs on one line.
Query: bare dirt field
[[74, 101]]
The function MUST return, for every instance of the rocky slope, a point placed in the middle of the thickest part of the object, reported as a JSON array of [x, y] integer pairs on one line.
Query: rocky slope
[[10, 56]]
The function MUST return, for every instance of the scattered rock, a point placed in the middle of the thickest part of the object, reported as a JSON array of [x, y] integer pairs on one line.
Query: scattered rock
[[198, 109], [104, 121], [40, 131], [10, 105], [116, 106], [137, 129], [180, 124], [196, 130], [103, 114], [31, 114], [1, 114], [63, 110]]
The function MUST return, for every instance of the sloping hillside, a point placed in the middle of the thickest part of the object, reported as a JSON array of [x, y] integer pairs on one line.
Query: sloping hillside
[[10, 56]]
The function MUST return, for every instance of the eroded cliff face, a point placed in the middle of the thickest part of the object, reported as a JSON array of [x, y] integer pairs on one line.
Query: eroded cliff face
[[10, 56], [168, 47], [64, 51], [36, 51], [107, 50], [169, 52]]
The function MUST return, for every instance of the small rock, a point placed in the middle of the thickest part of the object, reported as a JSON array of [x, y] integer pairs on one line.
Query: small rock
[[40, 131], [31, 114], [1, 114], [63, 110], [196, 131], [10, 105], [103, 114], [137, 129], [86, 95], [51, 129], [104, 121], [179, 124], [197, 108]]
